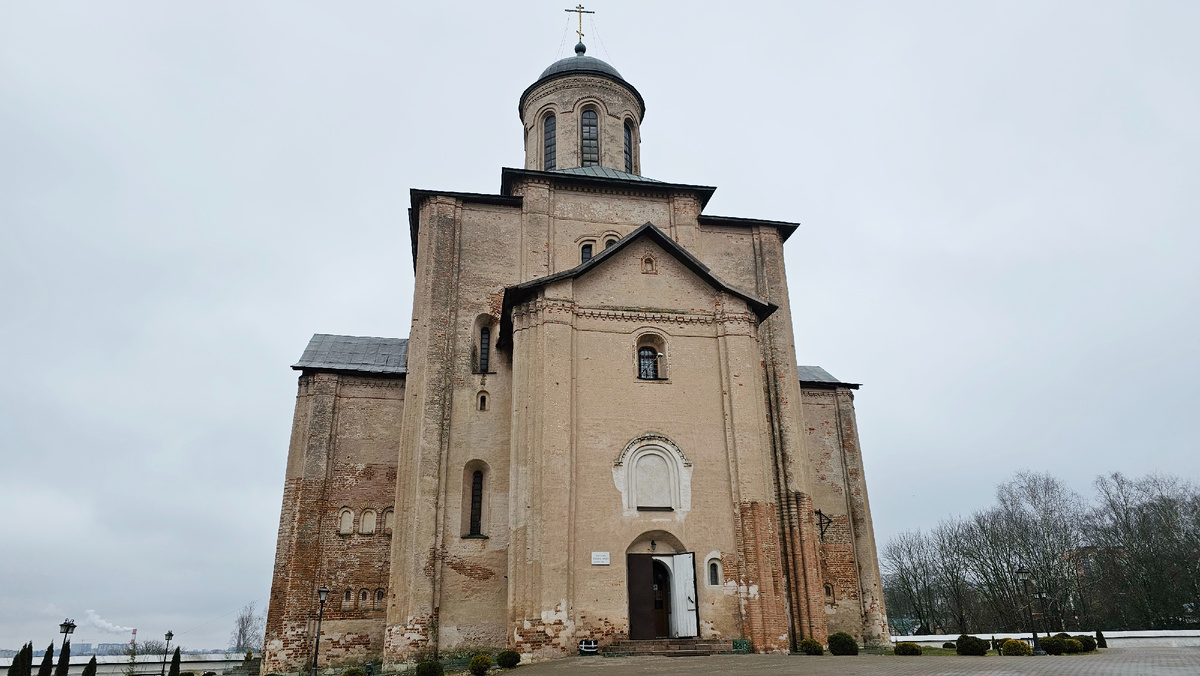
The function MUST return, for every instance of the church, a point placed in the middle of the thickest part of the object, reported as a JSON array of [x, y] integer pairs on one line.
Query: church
[[596, 430]]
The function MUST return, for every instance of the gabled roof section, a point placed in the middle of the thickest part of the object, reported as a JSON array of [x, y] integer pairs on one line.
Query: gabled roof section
[[815, 376], [602, 177], [521, 292], [355, 354]]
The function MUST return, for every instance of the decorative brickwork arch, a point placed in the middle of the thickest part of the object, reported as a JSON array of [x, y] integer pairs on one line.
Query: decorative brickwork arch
[[653, 475]]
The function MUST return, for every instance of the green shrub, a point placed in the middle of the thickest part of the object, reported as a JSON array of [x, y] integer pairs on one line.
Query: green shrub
[[969, 645], [354, 671], [842, 643], [1014, 648], [508, 659], [1089, 643], [1100, 642], [811, 647], [907, 648], [479, 665], [1071, 646], [430, 668], [741, 645], [948, 645], [1053, 645]]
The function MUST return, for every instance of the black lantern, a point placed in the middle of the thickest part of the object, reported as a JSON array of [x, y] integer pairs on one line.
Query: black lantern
[[67, 628], [322, 594], [169, 635]]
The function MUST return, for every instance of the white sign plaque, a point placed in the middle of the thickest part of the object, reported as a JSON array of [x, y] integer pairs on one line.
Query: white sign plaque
[[600, 559]]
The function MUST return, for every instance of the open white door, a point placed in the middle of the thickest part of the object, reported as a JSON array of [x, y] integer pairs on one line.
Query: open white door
[[683, 595]]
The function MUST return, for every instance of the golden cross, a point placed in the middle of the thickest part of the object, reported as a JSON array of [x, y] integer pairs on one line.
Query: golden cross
[[580, 11]]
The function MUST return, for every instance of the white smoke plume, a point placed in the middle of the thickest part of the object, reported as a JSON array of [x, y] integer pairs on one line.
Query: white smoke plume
[[104, 625]]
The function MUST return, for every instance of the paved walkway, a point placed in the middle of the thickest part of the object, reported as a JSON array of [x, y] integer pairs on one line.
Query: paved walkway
[[1115, 662]]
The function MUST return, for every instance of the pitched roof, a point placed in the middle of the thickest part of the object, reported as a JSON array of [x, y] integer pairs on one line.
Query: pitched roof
[[603, 176], [355, 354], [604, 172], [815, 375], [519, 292]]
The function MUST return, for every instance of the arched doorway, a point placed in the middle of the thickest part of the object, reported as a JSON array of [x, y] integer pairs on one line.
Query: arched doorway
[[661, 579]]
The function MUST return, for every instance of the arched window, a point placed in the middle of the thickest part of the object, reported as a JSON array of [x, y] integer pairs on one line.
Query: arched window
[[589, 134], [379, 599], [483, 401], [476, 503], [585, 253], [346, 522], [648, 266], [366, 524], [389, 520], [647, 363], [628, 147], [609, 243], [713, 570], [485, 346], [549, 142], [363, 597], [348, 600], [651, 362]]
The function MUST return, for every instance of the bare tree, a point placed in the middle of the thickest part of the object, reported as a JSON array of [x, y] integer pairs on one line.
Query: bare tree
[[248, 629]]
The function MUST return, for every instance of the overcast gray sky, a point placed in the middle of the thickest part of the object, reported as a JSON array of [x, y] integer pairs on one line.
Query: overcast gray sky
[[999, 208]]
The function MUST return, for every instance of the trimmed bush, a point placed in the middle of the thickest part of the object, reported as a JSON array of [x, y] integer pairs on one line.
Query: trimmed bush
[[479, 665], [842, 643], [1053, 645], [354, 671], [907, 648], [508, 659], [430, 668], [1100, 642], [1014, 648], [1089, 643], [948, 645], [1072, 647], [969, 645], [811, 647]]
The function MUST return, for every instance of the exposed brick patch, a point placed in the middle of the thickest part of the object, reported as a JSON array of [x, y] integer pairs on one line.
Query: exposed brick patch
[[458, 564], [760, 578]]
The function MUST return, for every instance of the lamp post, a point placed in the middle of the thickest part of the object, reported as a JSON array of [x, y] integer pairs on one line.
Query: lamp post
[[67, 628], [169, 635], [1023, 575], [322, 593]]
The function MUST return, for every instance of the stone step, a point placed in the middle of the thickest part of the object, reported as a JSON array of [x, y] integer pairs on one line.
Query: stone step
[[671, 647]]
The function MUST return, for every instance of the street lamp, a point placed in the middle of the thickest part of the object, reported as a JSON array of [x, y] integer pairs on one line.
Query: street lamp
[[67, 628], [169, 635], [1023, 576], [322, 593]]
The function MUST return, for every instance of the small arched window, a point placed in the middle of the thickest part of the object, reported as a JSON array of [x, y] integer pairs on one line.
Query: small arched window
[[477, 503], [549, 142], [346, 522], [389, 520], [485, 345], [585, 253], [483, 401], [648, 266], [714, 574], [589, 135], [647, 363], [366, 525], [628, 147], [363, 597], [379, 599], [348, 600], [609, 243], [829, 593]]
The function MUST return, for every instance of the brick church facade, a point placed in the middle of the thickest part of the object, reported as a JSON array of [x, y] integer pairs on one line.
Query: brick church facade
[[596, 429]]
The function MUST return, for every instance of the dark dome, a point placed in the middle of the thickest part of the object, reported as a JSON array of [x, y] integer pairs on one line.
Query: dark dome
[[580, 63]]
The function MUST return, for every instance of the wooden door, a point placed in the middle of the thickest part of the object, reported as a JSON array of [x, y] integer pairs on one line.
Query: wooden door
[[640, 584]]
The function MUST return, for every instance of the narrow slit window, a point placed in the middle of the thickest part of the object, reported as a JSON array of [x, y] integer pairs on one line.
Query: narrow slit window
[[628, 147], [549, 143], [589, 132], [476, 503], [485, 336], [585, 253], [483, 402], [647, 363], [714, 573]]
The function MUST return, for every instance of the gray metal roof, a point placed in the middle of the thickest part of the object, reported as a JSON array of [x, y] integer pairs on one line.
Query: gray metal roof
[[579, 62], [818, 375], [355, 353], [603, 172]]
